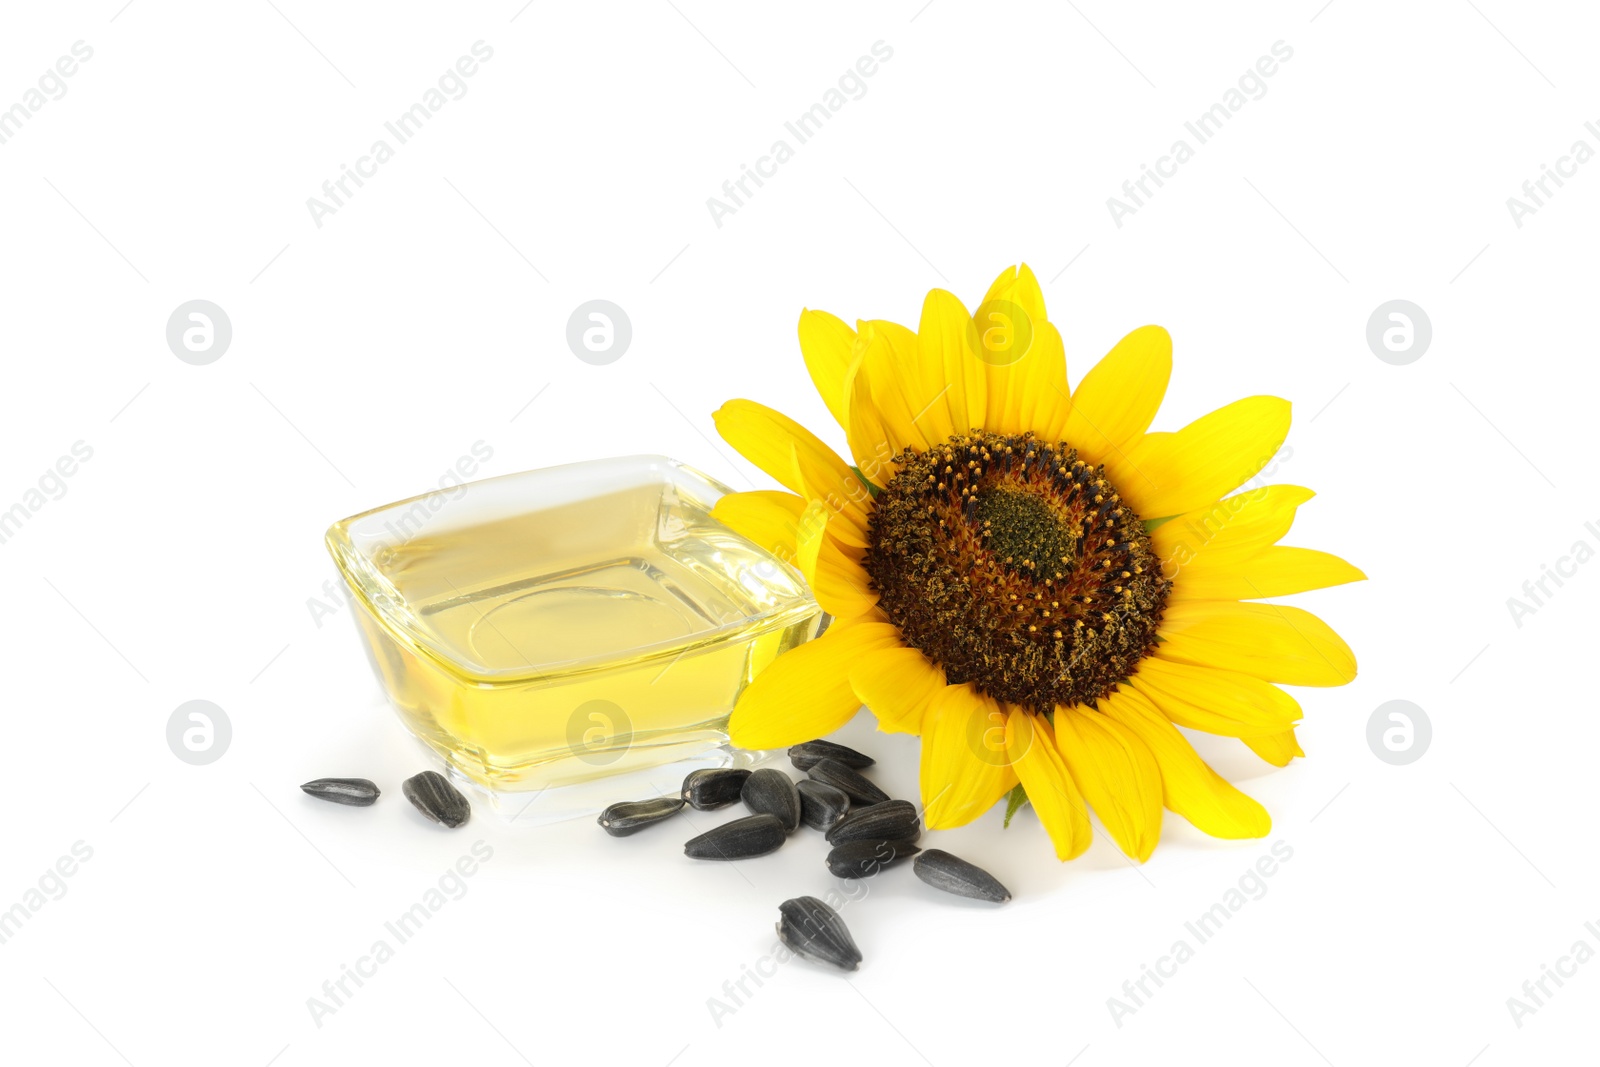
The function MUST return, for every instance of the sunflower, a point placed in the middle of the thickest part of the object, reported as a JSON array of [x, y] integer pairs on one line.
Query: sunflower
[[1029, 578]]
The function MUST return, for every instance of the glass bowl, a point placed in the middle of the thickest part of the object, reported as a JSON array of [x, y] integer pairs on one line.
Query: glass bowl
[[564, 625]]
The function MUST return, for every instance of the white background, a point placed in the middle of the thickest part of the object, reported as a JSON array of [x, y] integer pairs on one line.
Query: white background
[[429, 313]]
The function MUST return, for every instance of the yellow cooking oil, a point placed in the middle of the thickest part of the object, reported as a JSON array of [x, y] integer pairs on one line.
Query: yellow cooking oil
[[562, 644]]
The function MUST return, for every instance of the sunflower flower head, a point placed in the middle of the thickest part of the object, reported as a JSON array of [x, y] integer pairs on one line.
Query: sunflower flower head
[[1027, 577]]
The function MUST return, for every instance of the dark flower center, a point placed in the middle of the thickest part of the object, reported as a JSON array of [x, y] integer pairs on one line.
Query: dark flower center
[[1015, 566]]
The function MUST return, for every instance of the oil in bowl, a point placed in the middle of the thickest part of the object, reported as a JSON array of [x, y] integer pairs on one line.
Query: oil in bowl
[[568, 624]]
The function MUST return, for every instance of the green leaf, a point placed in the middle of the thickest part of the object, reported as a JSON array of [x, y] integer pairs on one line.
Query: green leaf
[[1151, 525], [1014, 801], [872, 489]]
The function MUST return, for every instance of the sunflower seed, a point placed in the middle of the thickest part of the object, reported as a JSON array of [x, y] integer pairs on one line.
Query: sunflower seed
[[954, 875], [713, 787], [356, 792], [821, 805], [806, 756], [814, 931], [433, 795], [850, 783], [631, 816], [894, 820], [771, 792], [741, 839], [863, 859]]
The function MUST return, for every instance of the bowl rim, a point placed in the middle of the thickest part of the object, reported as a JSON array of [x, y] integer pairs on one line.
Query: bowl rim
[[349, 558]]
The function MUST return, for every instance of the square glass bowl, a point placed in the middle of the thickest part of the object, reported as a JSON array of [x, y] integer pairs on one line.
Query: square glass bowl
[[564, 625]]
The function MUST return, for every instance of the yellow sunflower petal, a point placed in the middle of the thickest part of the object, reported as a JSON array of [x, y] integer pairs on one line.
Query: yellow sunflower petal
[[1189, 786], [1045, 411], [1276, 749], [965, 768], [1026, 386], [889, 359], [897, 685], [1165, 474], [765, 516], [828, 345], [1275, 571], [835, 575], [847, 522], [1118, 398], [871, 442], [799, 462], [1031, 393], [1214, 700], [1031, 744], [1118, 775], [1274, 642], [805, 693], [944, 337], [1231, 530], [1017, 285]]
